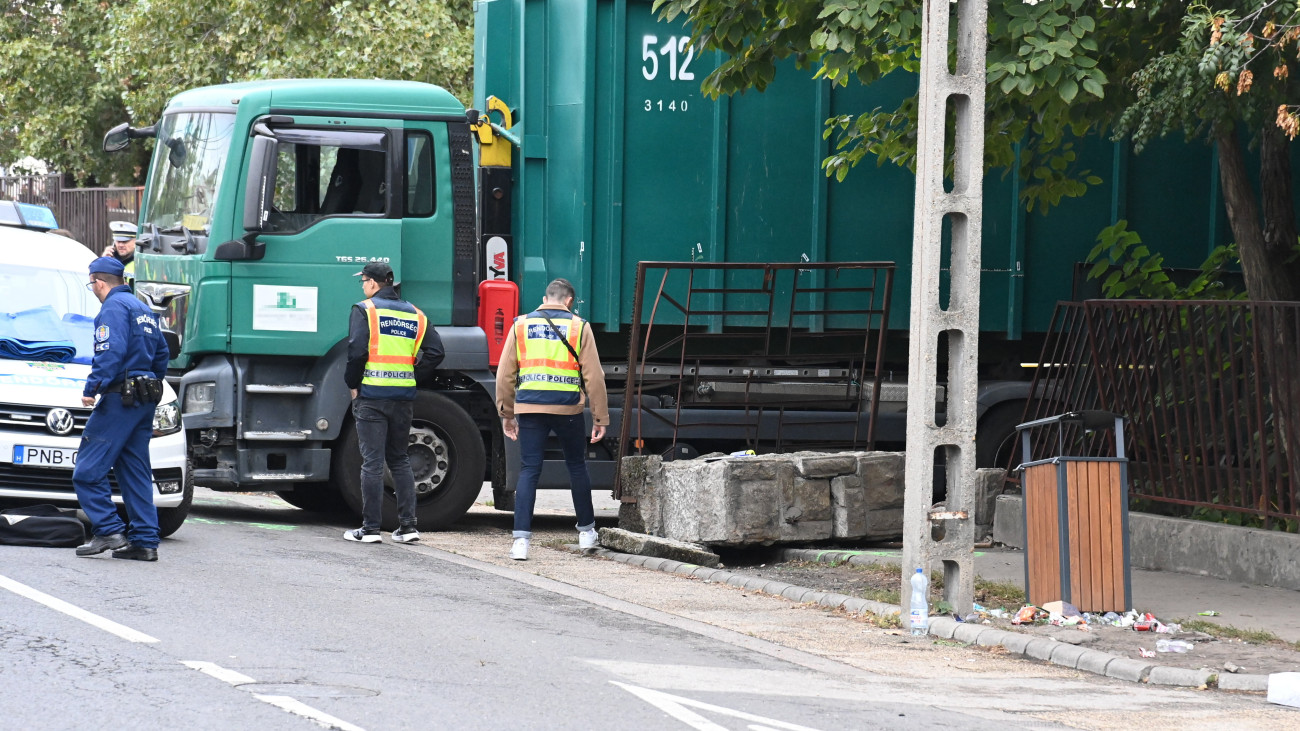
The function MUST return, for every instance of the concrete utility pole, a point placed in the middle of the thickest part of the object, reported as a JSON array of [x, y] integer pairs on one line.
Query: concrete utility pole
[[959, 210]]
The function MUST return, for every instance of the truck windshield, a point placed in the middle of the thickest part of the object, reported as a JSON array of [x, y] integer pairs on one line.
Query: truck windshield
[[186, 171]]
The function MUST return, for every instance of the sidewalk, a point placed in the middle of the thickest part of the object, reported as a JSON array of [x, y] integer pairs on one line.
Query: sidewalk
[[1167, 595]]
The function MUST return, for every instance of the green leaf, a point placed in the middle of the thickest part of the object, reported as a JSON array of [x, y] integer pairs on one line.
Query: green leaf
[[1068, 90]]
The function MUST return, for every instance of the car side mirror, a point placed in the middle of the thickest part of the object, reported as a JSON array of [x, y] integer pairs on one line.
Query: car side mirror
[[260, 189], [117, 139]]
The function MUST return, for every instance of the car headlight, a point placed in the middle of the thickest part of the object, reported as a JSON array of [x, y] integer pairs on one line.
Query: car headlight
[[199, 397], [166, 419]]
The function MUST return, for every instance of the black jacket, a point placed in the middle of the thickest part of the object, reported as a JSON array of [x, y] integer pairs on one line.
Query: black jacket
[[426, 360]]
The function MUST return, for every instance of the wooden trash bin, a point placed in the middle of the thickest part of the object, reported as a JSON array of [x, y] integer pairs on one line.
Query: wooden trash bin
[[1076, 521]]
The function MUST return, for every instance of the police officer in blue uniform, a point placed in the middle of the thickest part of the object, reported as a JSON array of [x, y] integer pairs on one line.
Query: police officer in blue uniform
[[130, 360]]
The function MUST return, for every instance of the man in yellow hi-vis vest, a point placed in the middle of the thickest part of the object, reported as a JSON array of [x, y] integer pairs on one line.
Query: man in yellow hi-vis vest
[[387, 337], [549, 368]]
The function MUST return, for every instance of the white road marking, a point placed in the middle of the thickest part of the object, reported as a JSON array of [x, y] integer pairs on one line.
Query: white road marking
[[218, 672], [302, 709], [283, 702], [75, 612], [673, 705]]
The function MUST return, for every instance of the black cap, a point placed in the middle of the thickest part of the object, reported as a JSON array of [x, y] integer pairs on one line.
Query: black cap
[[376, 270]]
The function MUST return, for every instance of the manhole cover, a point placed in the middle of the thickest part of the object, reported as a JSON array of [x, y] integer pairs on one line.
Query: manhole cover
[[308, 690]]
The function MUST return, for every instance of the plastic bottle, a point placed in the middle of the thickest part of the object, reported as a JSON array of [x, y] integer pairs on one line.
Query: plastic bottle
[[1163, 645], [920, 605]]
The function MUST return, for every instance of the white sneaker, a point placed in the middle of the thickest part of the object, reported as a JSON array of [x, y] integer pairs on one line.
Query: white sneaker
[[519, 551], [588, 538]]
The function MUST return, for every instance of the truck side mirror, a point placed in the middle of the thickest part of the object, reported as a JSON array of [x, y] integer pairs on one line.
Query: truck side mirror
[[117, 139], [260, 189]]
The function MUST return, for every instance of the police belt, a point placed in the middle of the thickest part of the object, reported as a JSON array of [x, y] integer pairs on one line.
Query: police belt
[[145, 389]]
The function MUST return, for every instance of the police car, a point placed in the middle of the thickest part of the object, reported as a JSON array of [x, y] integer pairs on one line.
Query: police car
[[45, 306]]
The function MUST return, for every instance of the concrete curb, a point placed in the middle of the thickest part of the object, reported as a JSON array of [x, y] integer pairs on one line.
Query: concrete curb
[[1035, 648]]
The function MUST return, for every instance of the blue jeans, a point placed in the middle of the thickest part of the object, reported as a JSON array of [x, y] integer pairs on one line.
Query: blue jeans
[[117, 437], [571, 430], [383, 434]]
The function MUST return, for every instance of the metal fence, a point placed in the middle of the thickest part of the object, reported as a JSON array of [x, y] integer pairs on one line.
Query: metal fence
[[774, 356], [1211, 391], [85, 212]]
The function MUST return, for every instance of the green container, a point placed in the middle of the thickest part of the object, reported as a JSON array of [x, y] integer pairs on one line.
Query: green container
[[623, 159]]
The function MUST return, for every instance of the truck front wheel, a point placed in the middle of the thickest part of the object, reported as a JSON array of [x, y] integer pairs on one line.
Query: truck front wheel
[[447, 458]]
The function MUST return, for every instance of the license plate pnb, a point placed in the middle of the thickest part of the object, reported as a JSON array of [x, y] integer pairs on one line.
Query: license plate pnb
[[45, 456]]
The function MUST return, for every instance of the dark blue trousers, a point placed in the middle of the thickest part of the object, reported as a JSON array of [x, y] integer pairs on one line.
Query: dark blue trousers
[[117, 437], [571, 431]]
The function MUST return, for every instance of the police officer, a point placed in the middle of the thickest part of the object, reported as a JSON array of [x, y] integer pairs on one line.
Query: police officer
[[387, 337], [123, 246], [130, 360], [548, 365]]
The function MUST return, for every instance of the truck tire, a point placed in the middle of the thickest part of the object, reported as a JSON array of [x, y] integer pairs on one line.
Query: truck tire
[[315, 497], [447, 457], [171, 519], [996, 440]]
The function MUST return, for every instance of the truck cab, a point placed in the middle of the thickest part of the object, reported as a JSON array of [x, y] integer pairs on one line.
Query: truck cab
[[262, 202]]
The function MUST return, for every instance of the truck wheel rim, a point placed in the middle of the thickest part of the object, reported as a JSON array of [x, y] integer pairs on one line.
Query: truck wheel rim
[[430, 460]]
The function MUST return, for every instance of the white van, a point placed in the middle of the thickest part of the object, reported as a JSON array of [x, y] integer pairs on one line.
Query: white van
[[41, 416]]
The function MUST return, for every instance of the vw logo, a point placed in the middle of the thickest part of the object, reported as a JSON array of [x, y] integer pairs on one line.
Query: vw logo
[[59, 422]]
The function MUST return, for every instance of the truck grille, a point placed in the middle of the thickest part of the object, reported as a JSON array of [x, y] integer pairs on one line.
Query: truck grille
[[31, 419]]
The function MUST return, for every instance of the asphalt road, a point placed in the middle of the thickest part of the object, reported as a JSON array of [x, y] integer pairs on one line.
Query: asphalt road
[[262, 617]]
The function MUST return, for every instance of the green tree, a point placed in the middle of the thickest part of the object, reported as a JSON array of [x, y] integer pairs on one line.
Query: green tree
[[54, 104], [84, 66], [1057, 70]]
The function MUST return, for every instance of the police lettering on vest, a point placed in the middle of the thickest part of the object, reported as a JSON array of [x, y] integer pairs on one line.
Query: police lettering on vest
[[548, 372], [396, 332]]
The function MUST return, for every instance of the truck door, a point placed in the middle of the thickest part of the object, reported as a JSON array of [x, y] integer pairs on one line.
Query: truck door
[[427, 229], [334, 208]]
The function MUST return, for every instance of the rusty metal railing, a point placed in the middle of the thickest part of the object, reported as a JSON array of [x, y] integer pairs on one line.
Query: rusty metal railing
[[1211, 391], [774, 356], [85, 212]]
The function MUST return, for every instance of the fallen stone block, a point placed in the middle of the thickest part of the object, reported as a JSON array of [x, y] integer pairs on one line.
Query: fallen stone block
[[813, 464], [848, 507], [1009, 521], [617, 539]]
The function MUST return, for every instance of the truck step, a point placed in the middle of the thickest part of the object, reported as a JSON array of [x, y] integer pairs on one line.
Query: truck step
[[297, 389], [277, 436]]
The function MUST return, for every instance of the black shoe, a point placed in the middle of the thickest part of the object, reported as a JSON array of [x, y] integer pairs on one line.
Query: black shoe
[[137, 553], [406, 534], [99, 544]]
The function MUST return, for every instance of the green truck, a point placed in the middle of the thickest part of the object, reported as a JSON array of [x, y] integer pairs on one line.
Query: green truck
[[594, 150]]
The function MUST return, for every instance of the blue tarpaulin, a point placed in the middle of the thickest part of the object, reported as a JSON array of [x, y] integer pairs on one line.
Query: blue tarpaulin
[[81, 330], [36, 334]]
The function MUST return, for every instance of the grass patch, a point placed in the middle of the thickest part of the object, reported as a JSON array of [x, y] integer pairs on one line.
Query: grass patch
[[1253, 636], [880, 595], [999, 594]]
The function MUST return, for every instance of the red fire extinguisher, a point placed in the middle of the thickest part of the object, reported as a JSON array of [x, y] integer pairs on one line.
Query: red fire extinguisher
[[498, 300]]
